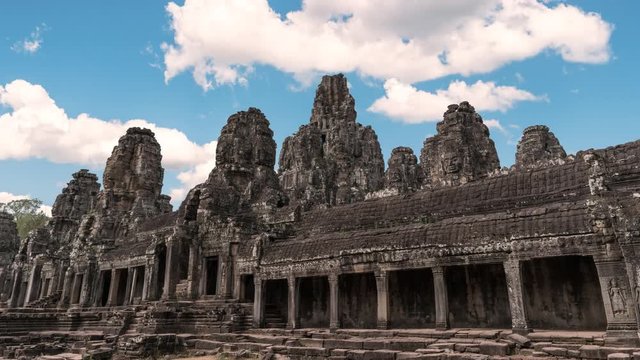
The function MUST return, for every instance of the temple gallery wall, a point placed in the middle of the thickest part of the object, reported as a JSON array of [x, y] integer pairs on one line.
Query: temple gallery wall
[[331, 240]]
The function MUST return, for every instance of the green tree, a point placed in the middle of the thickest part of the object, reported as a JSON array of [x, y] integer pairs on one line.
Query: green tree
[[28, 214]]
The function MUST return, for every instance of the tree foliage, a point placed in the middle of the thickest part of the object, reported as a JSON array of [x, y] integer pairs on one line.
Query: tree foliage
[[27, 213]]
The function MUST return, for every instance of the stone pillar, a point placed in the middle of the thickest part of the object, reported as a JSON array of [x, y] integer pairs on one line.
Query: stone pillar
[[258, 305], [128, 287], [34, 284], [171, 273], [382, 285], [3, 281], [134, 284], [66, 288], [292, 306], [149, 275], [513, 274], [112, 300], [442, 301], [88, 286], [194, 272], [226, 277], [15, 287], [334, 321], [622, 325], [99, 289]]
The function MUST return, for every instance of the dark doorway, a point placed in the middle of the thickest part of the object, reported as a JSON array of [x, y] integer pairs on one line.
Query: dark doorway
[[276, 303], [122, 275], [137, 291], [314, 302], [358, 301], [161, 261], [106, 285], [563, 293], [45, 288], [247, 290], [183, 261], [411, 299], [478, 296], [211, 276]]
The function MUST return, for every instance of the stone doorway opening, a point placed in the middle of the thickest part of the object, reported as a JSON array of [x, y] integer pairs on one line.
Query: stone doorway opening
[[247, 288], [313, 309], [563, 293], [358, 301], [122, 276], [75, 295], [106, 284], [139, 285], [211, 264], [160, 263], [276, 303], [478, 296], [411, 299]]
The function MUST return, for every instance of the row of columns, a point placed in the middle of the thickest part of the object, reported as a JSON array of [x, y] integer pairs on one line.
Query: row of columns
[[620, 309], [513, 277]]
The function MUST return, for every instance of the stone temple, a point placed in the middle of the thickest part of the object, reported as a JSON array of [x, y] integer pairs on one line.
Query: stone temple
[[443, 255]]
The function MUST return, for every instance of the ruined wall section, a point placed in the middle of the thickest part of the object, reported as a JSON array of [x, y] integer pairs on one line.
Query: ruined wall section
[[333, 160], [462, 150], [538, 147], [9, 240]]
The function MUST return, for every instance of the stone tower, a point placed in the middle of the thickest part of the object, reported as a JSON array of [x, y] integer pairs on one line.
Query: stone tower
[[332, 160], [461, 151], [538, 145], [403, 174]]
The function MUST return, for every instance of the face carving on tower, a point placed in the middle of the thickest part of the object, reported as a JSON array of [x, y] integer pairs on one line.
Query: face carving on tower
[[451, 164]]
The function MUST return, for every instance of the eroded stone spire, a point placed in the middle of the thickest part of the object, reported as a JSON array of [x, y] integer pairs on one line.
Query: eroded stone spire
[[461, 151], [334, 159], [78, 197], [537, 146], [403, 174]]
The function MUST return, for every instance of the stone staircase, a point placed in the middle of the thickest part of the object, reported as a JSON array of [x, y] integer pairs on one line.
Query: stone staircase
[[273, 319]]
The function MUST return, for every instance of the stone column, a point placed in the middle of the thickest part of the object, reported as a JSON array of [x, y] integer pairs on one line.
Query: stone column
[[194, 272], [134, 284], [34, 284], [513, 274], [147, 286], [66, 288], [128, 287], [99, 289], [382, 285], [75, 288], [15, 287], [292, 308], [334, 321], [226, 277], [622, 325], [442, 301], [3, 281], [258, 305], [112, 299], [89, 283], [171, 273]]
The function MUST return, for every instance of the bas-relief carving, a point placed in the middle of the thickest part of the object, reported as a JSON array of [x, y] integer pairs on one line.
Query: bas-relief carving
[[617, 298]]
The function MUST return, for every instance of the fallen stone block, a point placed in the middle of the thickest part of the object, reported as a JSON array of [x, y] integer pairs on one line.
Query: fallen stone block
[[555, 351], [618, 356], [521, 340]]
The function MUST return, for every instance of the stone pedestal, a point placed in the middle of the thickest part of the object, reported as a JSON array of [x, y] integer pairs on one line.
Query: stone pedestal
[[382, 285], [334, 321], [513, 274], [442, 300]]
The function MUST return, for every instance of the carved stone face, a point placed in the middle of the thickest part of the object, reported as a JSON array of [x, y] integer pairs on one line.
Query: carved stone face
[[451, 164]]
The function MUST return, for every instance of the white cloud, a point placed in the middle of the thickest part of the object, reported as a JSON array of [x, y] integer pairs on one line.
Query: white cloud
[[408, 104], [32, 43], [219, 41], [6, 197], [495, 124], [35, 127]]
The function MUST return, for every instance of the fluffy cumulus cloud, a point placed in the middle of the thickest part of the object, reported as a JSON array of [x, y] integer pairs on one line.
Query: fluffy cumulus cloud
[[406, 103], [6, 197], [36, 127], [219, 41]]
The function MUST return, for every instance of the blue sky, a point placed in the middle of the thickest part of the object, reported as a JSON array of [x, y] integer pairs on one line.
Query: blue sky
[[106, 59]]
